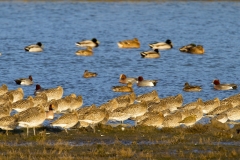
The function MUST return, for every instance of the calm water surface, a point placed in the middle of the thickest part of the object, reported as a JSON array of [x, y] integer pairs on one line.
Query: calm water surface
[[58, 25]]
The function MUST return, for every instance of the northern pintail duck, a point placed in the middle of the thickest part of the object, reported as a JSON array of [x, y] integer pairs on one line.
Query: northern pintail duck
[[88, 43], [192, 48], [219, 86], [124, 79], [38, 47], [88, 74], [3, 89], [146, 83], [127, 88], [151, 54], [24, 81], [189, 88], [162, 45], [86, 52], [130, 43]]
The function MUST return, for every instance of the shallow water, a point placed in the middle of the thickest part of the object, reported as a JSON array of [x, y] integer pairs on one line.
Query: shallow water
[[58, 25]]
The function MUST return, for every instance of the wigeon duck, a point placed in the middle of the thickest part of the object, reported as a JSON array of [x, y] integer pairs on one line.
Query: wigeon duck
[[88, 74], [151, 54], [189, 88], [162, 45], [88, 43], [219, 86], [124, 79], [192, 48], [38, 89], [24, 81], [38, 47], [146, 83], [131, 43], [87, 52], [127, 88]]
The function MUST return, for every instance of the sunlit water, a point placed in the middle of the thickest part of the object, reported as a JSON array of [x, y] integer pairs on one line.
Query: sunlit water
[[58, 25]]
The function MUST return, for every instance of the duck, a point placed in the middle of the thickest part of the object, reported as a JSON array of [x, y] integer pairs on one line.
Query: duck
[[227, 86], [88, 43], [38, 47], [189, 88], [185, 48], [162, 45], [151, 54], [87, 52], [38, 89], [130, 43], [24, 81], [193, 49], [88, 74], [127, 88], [124, 79], [146, 83]]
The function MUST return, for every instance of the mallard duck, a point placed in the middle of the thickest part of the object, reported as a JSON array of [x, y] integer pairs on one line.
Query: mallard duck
[[162, 45], [87, 52], [88, 74], [151, 54], [186, 48], [38, 47], [193, 48], [124, 79], [189, 88], [127, 88], [130, 43], [146, 83], [219, 86], [88, 43], [24, 81]]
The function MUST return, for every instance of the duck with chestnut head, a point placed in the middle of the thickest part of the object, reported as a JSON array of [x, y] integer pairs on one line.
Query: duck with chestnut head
[[146, 83], [225, 86]]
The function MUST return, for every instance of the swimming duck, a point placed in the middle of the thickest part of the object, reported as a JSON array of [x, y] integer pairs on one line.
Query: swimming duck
[[87, 52], [24, 81], [38, 47], [124, 79], [189, 88], [186, 48], [38, 89], [130, 43], [127, 88], [219, 86], [88, 43], [146, 83], [162, 45], [151, 54], [192, 48], [88, 74]]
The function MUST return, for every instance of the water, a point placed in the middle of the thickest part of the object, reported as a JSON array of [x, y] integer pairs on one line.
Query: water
[[58, 25]]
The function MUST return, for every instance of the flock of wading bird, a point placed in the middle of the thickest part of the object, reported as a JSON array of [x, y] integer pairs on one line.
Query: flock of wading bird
[[146, 109]]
